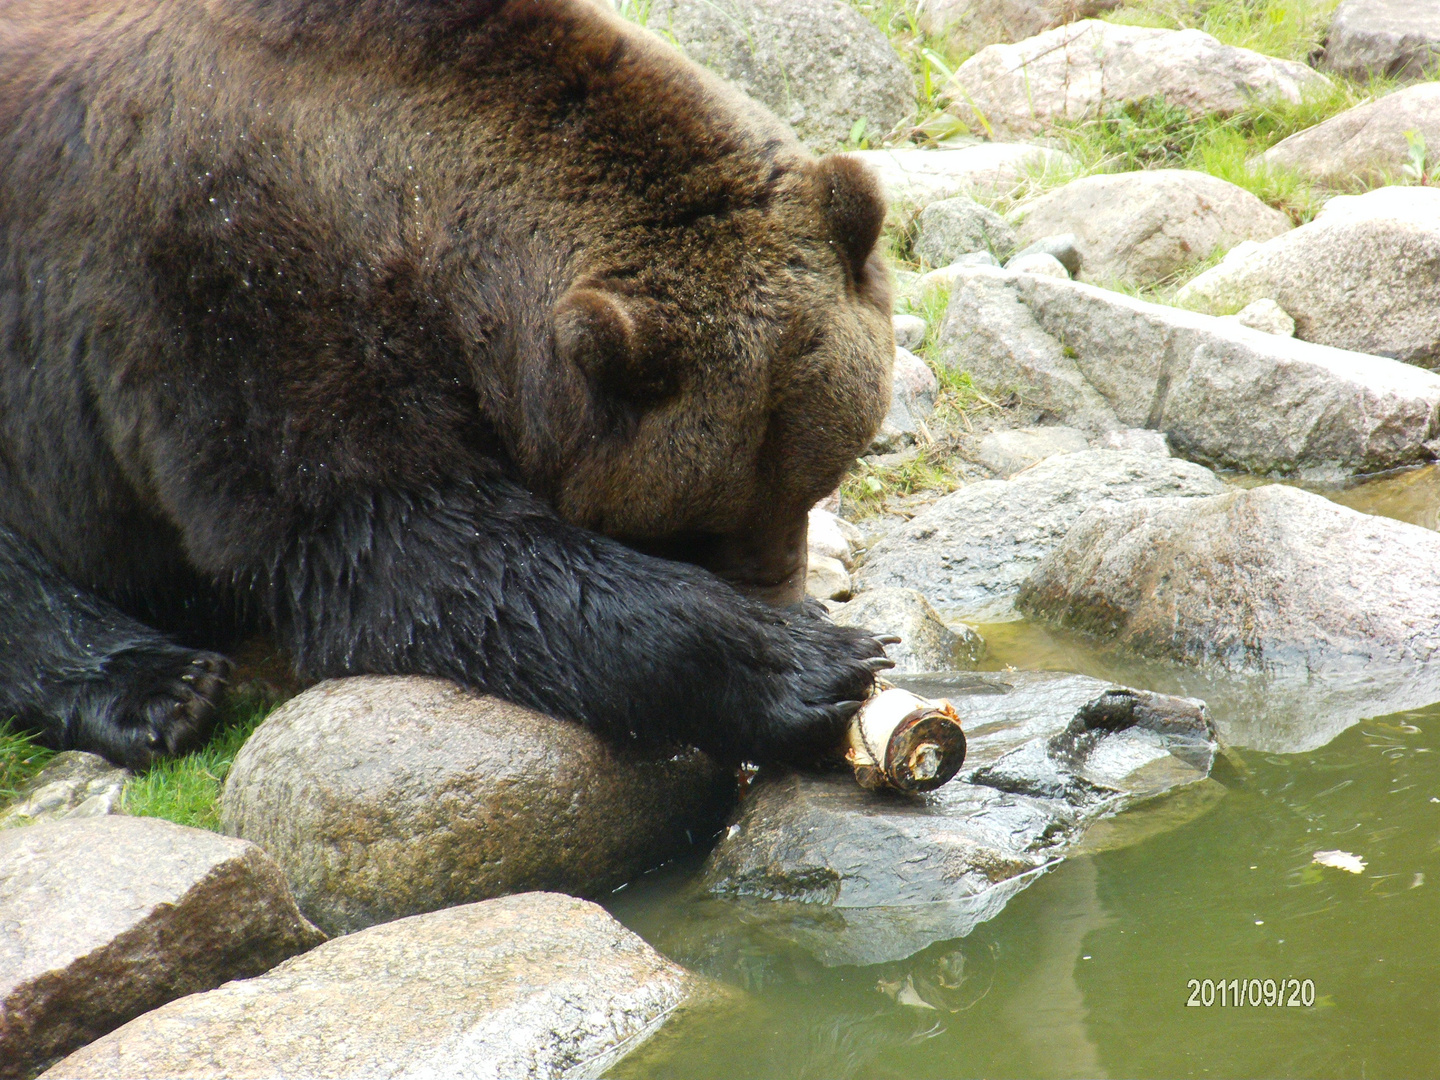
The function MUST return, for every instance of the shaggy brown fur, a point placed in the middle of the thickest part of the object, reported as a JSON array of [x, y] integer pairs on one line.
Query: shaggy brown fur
[[292, 290]]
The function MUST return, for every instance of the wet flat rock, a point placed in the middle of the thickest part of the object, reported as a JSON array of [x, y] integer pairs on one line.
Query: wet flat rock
[[387, 797], [1050, 754], [529, 986], [104, 918]]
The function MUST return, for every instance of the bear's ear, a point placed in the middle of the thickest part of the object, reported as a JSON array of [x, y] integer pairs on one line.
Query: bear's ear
[[853, 206], [604, 334]]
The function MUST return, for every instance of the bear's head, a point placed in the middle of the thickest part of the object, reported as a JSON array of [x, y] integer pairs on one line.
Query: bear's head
[[674, 319], [717, 341]]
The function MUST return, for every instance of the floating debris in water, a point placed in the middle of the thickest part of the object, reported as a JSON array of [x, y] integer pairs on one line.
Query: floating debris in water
[[904, 742], [1340, 860]]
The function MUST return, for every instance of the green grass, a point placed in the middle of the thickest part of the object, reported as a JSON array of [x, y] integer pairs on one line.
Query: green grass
[[20, 759], [186, 790], [868, 488], [1289, 29]]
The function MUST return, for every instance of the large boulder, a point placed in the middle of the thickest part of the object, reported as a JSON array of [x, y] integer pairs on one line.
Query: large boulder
[[109, 917], [973, 24], [860, 878], [385, 797], [1364, 275], [969, 552], [527, 986], [1142, 227], [950, 228], [72, 784], [926, 642], [1265, 579], [1273, 582], [1222, 392], [1366, 144], [1398, 39], [1077, 72], [819, 65], [913, 177]]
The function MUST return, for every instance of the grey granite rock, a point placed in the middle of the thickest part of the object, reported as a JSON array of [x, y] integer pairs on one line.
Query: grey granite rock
[[1266, 316], [910, 331], [1063, 247], [1135, 441], [528, 986], [912, 400], [827, 579], [959, 226], [72, 784], [831, 536], [1299, 617], [1267, 579], [973, 24], [1366, 144], [1389, 38], [385, 797], [970, 551], [915, 177], [927, 643], [819, 65], [105, 918], [1038, 262], [860, 878], [1075, 72], [1008, 451], [1142, 227], [1363, 275], [1222, 393]]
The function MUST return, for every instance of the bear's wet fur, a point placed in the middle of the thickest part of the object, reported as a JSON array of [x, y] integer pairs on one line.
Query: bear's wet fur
[[486, 340]]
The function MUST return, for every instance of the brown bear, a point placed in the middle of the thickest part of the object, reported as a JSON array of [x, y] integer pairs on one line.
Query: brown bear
[[488, 339]]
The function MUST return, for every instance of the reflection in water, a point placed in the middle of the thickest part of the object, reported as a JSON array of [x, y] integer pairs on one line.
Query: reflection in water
[[1411, 495], [1047, 1011], [1278, 713]]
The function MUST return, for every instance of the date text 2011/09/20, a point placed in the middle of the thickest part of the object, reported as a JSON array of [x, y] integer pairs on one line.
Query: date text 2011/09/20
[[1251, 993]]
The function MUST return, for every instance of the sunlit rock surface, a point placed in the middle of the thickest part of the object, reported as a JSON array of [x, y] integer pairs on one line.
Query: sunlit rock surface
[[103, 918], [969, 552], [529, 986], [73, 785], [1078, 71], [926, 642], [1223, 393], [386, 797]]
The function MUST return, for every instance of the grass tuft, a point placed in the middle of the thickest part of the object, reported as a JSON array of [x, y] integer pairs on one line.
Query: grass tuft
[[186, 790], [21, 757], [1288, 29], [868, 488]]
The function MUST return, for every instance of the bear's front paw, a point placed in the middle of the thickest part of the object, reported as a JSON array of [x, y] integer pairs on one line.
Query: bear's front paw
[[166, 705], [833, 671]]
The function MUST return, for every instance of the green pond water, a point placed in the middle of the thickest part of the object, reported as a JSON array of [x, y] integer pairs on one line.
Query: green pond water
[[1089, 971]]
